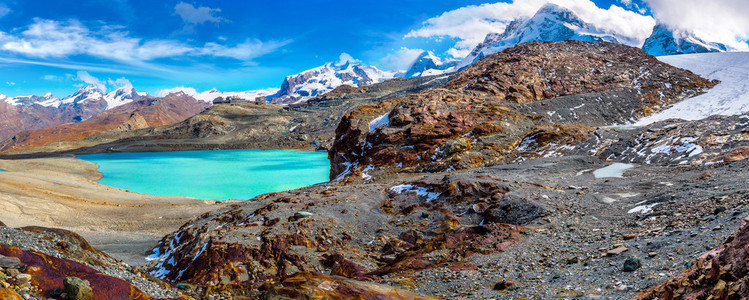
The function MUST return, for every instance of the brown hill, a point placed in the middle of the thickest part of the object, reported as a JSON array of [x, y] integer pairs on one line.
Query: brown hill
[[17, 118], [143, 113], [486, 110]]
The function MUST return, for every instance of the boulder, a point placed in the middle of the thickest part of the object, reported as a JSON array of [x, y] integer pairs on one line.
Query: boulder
[[78, 289]]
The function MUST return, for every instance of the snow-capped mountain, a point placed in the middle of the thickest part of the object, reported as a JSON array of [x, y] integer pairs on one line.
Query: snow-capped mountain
[[428, 64], [47, 100], [311, 83], [210, 95], [667, 41], [550, 23], [122, 96]]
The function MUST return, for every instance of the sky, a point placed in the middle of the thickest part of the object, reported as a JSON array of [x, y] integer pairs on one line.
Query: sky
[[59, 45]]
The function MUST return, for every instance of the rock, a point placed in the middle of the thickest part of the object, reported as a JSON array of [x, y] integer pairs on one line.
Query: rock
[[503, 285], [302, 214], [719, 210], [631, 264], [616, 251], [13, 272], [184, 287], [77, 289], [572, 260], [8, 294], [22, 279], [9, 262]]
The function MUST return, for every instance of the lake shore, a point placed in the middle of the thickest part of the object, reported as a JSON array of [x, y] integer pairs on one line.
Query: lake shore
[[63, 193]]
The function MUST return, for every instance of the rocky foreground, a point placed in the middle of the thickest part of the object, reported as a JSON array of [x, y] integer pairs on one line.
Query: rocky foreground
[[482, 184]]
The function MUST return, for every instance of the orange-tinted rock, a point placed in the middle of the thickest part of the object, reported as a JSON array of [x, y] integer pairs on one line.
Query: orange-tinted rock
[[8, 294], [306, 285], [720, 273]]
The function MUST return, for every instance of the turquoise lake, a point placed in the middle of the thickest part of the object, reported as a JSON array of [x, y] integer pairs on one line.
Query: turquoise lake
[[214, 174]]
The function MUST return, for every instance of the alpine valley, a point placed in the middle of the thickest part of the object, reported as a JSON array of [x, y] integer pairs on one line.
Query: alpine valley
[[558, 159]]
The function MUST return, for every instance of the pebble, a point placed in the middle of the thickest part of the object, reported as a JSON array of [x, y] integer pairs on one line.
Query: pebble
[[631, 264]]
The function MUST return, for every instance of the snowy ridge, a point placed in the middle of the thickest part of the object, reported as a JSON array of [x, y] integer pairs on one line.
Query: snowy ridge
[[427, 64], [550, 23], [314, 82], [666, 41], [119, 97], [210, 95], [729, 97]]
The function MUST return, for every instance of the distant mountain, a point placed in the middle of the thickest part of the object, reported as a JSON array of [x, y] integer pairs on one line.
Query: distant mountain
[[428, 64], [667, 41], [145, 111], [210, 95], [550, 23], [35, 112], [311, 83]]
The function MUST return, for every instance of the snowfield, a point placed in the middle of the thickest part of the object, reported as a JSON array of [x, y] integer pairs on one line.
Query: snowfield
[[730, 97]]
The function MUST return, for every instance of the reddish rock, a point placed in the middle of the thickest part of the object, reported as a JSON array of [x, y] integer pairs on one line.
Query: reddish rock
[[49, 272], [720, 273], [306, 285]]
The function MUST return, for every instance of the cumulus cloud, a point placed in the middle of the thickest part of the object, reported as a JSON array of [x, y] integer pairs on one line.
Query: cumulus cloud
[[87, 78], [120, 82], [400, 60], [346, 58], [4, 10], [55, 39], [470, 24], [196, 15], [11, 83], [723, 21]]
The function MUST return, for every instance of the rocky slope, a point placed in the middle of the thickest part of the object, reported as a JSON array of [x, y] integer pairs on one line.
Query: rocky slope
[[142, 113], [44, 263], [484, 112], [667, 41]]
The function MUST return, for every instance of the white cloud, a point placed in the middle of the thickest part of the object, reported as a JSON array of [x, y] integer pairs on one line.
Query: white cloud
[[11, 83], [87, 78], [400, 60], [471, 24], [187, 90], [4, 10], [723, 21], [345, 57], [52, 78], [120, 82], [626, 2], [196, 15], [54, 39]]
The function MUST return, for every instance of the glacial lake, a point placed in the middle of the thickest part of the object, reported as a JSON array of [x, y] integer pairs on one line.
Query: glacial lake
[[212, 174]]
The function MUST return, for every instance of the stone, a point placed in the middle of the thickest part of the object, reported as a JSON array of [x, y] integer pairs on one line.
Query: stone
[[631, 264], [302, 214], [184, 287], [503, 285], [616, 251], [719, 210], [78, 289], [8, 294], [9, 262], [13, 272], [22, 279]]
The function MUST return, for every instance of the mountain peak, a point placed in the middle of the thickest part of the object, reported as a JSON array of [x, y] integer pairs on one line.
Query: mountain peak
[[666, 40], [550, 23], [428, 64]]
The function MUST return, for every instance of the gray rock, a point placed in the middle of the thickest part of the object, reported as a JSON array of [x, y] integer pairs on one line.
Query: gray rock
[[22, 279], [302, 214], [9, 262], [77, 289], [631, 264]]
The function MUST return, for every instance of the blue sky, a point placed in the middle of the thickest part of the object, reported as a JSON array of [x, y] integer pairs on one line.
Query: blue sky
[[56, 45]]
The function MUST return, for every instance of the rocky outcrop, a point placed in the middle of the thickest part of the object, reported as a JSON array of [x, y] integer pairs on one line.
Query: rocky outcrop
[[484, 113], [306, 285], [720, 273], [717, 139], [376, 234]]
